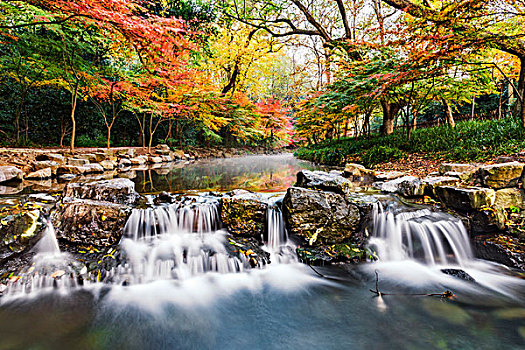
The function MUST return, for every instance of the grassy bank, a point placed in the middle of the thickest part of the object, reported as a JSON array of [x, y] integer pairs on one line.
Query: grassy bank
[[468, 141]]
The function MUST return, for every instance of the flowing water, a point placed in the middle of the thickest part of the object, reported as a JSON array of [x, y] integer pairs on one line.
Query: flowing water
[[179, 287]]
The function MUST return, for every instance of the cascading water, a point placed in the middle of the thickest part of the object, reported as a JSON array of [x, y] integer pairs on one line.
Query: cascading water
[[417, 248], [277, 237], [432, 238]]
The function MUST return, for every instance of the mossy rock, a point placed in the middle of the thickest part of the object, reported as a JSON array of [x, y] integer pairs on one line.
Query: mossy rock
[[244, 215]]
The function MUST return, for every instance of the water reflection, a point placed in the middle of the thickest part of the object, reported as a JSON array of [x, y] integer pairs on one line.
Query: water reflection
[[262, 173]]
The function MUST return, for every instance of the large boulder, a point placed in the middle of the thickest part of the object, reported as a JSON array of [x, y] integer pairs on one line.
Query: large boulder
[[90, 222], [71, 170], [503, 175], [115, 190], [465, 199], [53, 157], [319, 217], [407, 186], [321, 180], [44, 164], [244, 214], [19, 230], [10, 174], [94, 213]]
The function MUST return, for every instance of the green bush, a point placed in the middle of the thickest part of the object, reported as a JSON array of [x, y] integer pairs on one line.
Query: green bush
[[86, 141], [468, 141]]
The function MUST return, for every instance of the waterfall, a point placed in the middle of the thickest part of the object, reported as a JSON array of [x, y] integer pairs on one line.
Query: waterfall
[[281, 250], [178, 241], [422, 235], [48, 243]]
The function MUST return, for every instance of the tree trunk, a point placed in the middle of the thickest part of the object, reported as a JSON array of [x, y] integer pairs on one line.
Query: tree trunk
[[473, 108], [448, 113], [73, 121], [109, 137], [389, 112], [521, 91]]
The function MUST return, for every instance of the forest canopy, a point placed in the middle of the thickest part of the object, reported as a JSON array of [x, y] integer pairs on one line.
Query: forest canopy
[[253, 73]]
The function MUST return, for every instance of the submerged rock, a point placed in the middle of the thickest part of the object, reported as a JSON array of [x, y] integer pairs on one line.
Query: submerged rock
[[244, 214], [501, 175], [465, 198], [321, 180], [319, 217], [459, 274], [248, 248], [10, 174]]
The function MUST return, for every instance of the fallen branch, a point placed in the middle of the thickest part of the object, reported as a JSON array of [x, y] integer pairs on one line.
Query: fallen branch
[[445, 295]]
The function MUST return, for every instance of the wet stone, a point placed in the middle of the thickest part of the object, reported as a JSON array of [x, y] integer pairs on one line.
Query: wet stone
[[244, 214], [503, 175], [10, 174], [321, 180], [115, 190]]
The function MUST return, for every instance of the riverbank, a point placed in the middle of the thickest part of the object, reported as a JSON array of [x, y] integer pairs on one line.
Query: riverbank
[[469, 141]]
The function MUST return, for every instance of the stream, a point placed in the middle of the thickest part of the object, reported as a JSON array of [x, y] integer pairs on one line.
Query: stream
[[180, 289]]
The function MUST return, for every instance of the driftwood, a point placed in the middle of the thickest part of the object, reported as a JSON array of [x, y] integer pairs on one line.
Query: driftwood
[[445, 295]]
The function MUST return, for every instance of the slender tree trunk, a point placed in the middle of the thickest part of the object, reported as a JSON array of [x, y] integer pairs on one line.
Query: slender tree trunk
[[109, 137], [500, 101], [73, 121], [448, 113], [18, 114], [521, 91], [473, 108]]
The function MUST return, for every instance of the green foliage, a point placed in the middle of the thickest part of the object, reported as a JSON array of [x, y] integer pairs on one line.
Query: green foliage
[[469, 141], [86, 141]]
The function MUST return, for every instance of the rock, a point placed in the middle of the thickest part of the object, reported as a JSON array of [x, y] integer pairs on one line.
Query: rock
[[141, 160], [91, 158], [115, 190], [10, 174], [502, 175], [94, 168], [154, 160], [124, 163], [14, 189], [390, 175], [54, 157], [321, 180], [248, 248], [40, 174], [488, 220], [337, 253], [503, 249], [89, 222], [43, 198], [71, 170], [319, 217], [465, 199], [459, 274], [129, 152], [39, 165], [407, 186], [19, 231], [100, 157], [163, 197], [357, 170], [510, 197], [431, 182], [244, 214], [457, 168], [77, 162], [166, 158], [108, 165], [178, 154]]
